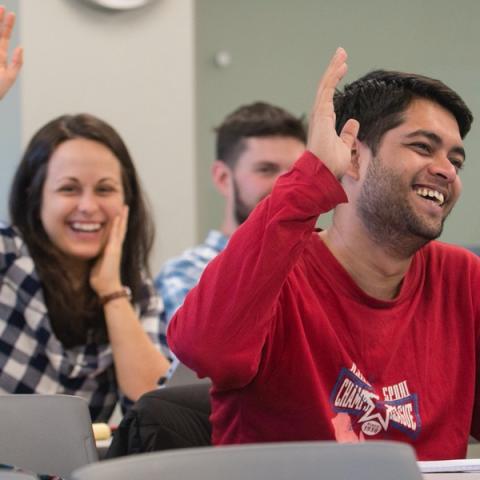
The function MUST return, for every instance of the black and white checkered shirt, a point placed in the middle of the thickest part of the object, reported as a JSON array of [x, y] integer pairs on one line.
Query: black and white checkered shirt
[[32, 359]]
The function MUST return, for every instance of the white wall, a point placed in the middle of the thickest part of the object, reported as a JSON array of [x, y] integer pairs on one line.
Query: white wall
[[133, 69]]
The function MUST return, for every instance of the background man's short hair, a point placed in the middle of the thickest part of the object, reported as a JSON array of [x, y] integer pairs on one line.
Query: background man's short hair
[[259, 119]]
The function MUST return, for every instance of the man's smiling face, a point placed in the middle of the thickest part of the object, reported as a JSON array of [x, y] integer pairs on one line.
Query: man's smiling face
[[412, 183]]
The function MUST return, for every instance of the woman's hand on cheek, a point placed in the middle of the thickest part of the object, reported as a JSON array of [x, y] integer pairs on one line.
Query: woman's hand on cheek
[[105, 274]]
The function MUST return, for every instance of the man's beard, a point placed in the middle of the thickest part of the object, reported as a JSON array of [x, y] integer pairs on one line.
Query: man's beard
[[386, 213], [241, 209]]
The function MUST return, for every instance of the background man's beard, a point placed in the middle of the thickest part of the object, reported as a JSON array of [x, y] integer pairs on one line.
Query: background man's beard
[[241, 209], [386, 213]]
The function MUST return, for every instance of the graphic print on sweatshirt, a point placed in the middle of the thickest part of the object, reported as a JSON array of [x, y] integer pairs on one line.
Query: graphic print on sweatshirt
[[361, 412]]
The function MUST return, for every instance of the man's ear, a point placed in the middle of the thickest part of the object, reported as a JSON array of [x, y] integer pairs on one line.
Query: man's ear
[[353, 170], [221, 177]]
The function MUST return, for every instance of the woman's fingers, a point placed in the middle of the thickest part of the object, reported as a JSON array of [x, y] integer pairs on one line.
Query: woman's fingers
[[123, 223], [118, 231]]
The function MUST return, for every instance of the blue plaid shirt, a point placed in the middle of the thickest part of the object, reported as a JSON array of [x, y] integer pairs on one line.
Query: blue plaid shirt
[[32, 359], [179, 275]]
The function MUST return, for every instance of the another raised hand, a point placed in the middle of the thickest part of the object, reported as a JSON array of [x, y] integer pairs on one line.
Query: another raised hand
[[8, 71], [105, 274], [334, 150]]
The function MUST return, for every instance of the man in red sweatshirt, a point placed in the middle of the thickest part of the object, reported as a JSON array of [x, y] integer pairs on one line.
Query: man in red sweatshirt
[[370, 328]]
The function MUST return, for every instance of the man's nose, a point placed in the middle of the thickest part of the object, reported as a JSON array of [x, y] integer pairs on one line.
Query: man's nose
[[443, 167]]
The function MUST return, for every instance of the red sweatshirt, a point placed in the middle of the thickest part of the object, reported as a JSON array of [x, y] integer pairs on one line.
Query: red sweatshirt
[[297, 351]]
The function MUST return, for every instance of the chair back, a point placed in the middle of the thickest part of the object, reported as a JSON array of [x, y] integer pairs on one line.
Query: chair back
[[50, 434], [270, 461], [473, 248], [181, 375], [16, 475]]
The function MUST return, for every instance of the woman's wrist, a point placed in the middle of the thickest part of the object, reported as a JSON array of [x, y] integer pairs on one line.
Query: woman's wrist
[[114, 294]]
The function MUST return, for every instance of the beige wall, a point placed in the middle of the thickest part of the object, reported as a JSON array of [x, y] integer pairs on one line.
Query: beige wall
[[133, 69]]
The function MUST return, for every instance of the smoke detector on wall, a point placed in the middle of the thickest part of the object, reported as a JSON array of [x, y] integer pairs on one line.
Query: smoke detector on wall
[[120, 4]]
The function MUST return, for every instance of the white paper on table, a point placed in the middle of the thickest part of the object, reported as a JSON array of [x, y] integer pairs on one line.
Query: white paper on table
[[462, 465]]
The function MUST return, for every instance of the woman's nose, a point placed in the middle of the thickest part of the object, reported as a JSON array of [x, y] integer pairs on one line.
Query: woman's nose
[[87, 203]]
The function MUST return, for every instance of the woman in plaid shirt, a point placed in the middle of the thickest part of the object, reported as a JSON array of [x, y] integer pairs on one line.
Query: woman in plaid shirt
[[78, 313]]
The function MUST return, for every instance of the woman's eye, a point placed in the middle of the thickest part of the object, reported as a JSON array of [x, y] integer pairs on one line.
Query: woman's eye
[[105, 189], [67, 189]]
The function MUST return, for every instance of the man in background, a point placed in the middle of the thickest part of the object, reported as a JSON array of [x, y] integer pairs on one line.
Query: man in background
[[254, 145]]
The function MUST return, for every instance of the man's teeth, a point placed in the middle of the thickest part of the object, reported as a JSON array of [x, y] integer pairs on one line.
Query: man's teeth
[[86, 227], [432, 194]]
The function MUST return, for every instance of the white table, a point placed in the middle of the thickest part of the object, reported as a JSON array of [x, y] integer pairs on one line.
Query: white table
[[452, 476]]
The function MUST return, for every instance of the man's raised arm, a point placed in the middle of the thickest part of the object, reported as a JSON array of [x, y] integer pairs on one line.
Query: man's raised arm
[[225, 323], [323, 141]]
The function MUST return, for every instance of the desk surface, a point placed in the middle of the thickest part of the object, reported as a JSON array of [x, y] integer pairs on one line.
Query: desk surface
[[452, 476]]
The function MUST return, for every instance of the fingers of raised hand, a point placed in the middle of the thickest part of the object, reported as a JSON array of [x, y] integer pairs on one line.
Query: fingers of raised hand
[[8, 25], [7, 21], [17, 59], [8, 72], [335, 71]]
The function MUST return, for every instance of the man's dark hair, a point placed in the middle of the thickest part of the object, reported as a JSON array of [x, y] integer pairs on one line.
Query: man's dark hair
[[379, 99], [258, 119]]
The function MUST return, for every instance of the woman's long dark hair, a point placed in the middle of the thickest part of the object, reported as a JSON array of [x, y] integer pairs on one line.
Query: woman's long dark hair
[[74, 314]]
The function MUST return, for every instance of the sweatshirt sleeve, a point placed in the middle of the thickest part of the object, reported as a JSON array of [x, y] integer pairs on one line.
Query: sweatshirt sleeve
[[223, 324]]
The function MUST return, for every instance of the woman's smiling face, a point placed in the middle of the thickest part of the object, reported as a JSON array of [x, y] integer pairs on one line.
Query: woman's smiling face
[[82, 194]]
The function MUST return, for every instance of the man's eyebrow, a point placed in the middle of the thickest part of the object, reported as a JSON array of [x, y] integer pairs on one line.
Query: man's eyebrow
[[264, 162], [433, 137]]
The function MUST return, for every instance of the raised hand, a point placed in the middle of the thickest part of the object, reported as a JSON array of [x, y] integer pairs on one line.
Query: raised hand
[[8, 71], [334, 150], [105, 274]]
